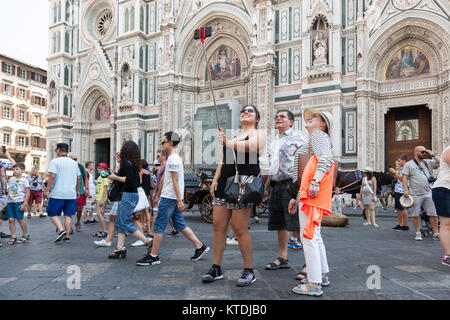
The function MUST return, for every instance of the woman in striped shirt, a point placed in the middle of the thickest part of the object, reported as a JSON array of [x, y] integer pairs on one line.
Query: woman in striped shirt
[[318, 125]]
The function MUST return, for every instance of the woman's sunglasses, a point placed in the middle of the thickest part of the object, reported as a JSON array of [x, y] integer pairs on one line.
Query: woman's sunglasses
[[248, 110]]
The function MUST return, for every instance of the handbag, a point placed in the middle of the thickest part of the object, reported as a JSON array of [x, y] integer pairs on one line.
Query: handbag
[[143, 201], [243, 189], [115, 192]]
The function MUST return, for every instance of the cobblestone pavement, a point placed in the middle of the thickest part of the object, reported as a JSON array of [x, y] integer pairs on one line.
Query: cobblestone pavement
[[41, 269]]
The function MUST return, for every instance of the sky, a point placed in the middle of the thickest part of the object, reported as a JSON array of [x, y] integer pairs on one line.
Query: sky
[[24, 30]]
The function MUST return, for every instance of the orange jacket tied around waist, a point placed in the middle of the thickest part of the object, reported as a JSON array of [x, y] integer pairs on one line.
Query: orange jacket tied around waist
[[318, 206]]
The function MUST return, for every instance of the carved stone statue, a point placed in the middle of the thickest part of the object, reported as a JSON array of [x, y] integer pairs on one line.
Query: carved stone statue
[[52, 95], [126, 90], [320, 49]]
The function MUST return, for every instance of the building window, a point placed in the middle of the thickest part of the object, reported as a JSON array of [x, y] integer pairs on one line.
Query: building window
[[67, 11], [8, 90], [104, 22], [37, 120], [132, 14], [22, 115], [7, 69], [66, 105], [36, 142], [36, 163], [21, 141], [6, 139], [66, 76], [22, 93], [127, 20], [67, 42], [6, 112], [23, 74]]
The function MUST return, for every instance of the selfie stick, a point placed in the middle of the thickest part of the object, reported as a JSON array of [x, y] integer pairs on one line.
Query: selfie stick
[[202, 33]]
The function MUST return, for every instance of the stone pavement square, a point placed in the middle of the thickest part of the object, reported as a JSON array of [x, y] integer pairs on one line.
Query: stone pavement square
[[41, 269]]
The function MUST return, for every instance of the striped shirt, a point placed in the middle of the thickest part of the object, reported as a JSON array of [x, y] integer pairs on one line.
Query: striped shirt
[[321, 147]]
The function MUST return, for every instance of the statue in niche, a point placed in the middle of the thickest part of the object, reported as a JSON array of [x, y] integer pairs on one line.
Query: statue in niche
[[52, 94], [125, 94], [320, 50], [187, 147]]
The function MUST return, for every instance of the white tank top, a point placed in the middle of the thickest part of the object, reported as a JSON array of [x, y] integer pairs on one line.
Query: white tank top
[[443, 180]]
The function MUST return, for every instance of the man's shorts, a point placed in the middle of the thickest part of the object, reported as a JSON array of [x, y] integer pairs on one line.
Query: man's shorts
[[397, 197], [167, 208], [428, 205], [13, 211], [35, 196], [81, 201], [441, 198], [56, 206], [279, 216]]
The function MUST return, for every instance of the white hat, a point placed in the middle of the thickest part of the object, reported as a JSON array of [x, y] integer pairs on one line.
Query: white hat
[[156, 162], [326, 116], [406, 202], [368, 169]]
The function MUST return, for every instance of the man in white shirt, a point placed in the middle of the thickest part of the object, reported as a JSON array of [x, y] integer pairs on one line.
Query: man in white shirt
[[171, 205], [62, 190]]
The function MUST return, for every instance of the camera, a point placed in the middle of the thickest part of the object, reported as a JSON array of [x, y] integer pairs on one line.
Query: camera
[[105, 174], [431, 180], [35, 184]]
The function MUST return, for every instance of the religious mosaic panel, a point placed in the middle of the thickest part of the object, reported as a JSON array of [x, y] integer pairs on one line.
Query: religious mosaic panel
[[407, 62], [103, 112], [224, 64]]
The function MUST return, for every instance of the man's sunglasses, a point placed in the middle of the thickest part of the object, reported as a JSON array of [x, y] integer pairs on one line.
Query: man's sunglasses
[[424, 151], [249, 110]]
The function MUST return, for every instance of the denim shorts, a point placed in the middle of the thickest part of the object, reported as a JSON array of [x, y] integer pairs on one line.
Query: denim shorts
[[441, 198], [13, 211], [56, 206], [124, 216], [167, 208]]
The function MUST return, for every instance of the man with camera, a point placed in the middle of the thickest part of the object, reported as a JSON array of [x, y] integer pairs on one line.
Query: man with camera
[[36, 192], [418, 172]]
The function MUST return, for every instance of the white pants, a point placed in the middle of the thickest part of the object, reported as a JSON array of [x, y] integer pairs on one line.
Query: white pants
[[314, 250]]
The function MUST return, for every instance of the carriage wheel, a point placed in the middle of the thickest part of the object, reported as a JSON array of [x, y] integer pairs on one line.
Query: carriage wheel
[[206, 208], [261, 209]]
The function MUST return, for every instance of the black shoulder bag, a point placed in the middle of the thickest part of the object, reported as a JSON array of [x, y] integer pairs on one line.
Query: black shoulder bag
[[243, 189]]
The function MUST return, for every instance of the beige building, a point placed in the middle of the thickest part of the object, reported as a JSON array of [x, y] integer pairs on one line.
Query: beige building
[[131, 70], [23, 112]]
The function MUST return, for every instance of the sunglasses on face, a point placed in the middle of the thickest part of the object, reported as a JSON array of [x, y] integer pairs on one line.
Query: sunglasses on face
[[423, 151], [313, 116], [162, 143], [249, 110]]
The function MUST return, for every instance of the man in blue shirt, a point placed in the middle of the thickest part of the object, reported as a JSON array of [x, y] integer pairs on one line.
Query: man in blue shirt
[[63, 187]]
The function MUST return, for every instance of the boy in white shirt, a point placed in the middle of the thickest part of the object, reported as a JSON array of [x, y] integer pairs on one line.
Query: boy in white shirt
[[171, 205]]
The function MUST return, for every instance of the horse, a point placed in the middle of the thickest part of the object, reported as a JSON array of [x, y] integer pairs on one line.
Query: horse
[[350, 181]]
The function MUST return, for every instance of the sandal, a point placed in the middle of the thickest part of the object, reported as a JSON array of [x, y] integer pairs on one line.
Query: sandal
[[325, 281], [301, 273], [23, 239], [99, 234], [78, 227], [12, 241], [310, 290], [283, 264]]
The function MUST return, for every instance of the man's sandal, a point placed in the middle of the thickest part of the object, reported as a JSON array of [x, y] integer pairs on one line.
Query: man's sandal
[[78, 227], [12, 241], [23, 239], [302, 274], [310, 290], [283, 264]]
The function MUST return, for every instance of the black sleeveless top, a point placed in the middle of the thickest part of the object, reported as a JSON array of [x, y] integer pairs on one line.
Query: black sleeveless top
[[247, 164]]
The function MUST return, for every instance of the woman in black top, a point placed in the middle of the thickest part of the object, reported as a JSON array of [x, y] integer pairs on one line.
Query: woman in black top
[[246, 147], [146, 179], [130, 164]]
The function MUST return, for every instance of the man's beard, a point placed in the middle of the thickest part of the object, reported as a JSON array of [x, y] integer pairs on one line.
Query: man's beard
[[420, 156]]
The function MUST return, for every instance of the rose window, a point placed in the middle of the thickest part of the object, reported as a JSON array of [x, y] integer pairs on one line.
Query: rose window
[[104, 22]]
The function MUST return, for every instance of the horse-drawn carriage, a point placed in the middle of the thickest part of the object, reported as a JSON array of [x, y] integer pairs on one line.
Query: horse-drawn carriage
[[197, 191]]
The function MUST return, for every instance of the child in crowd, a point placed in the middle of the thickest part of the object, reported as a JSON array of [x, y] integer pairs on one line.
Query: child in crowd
[[101, 196], [88, 214], [339, 203], [19, 192]]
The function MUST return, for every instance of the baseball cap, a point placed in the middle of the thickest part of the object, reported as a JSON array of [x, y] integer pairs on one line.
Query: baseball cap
[[103, 165]]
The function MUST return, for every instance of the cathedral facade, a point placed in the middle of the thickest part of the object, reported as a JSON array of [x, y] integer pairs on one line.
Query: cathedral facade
[[131, 69]]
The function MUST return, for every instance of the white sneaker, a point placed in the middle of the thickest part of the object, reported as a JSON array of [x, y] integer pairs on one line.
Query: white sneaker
[[103, 243], [137, 243], [418, 236], [232, 242], [436, 236]]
